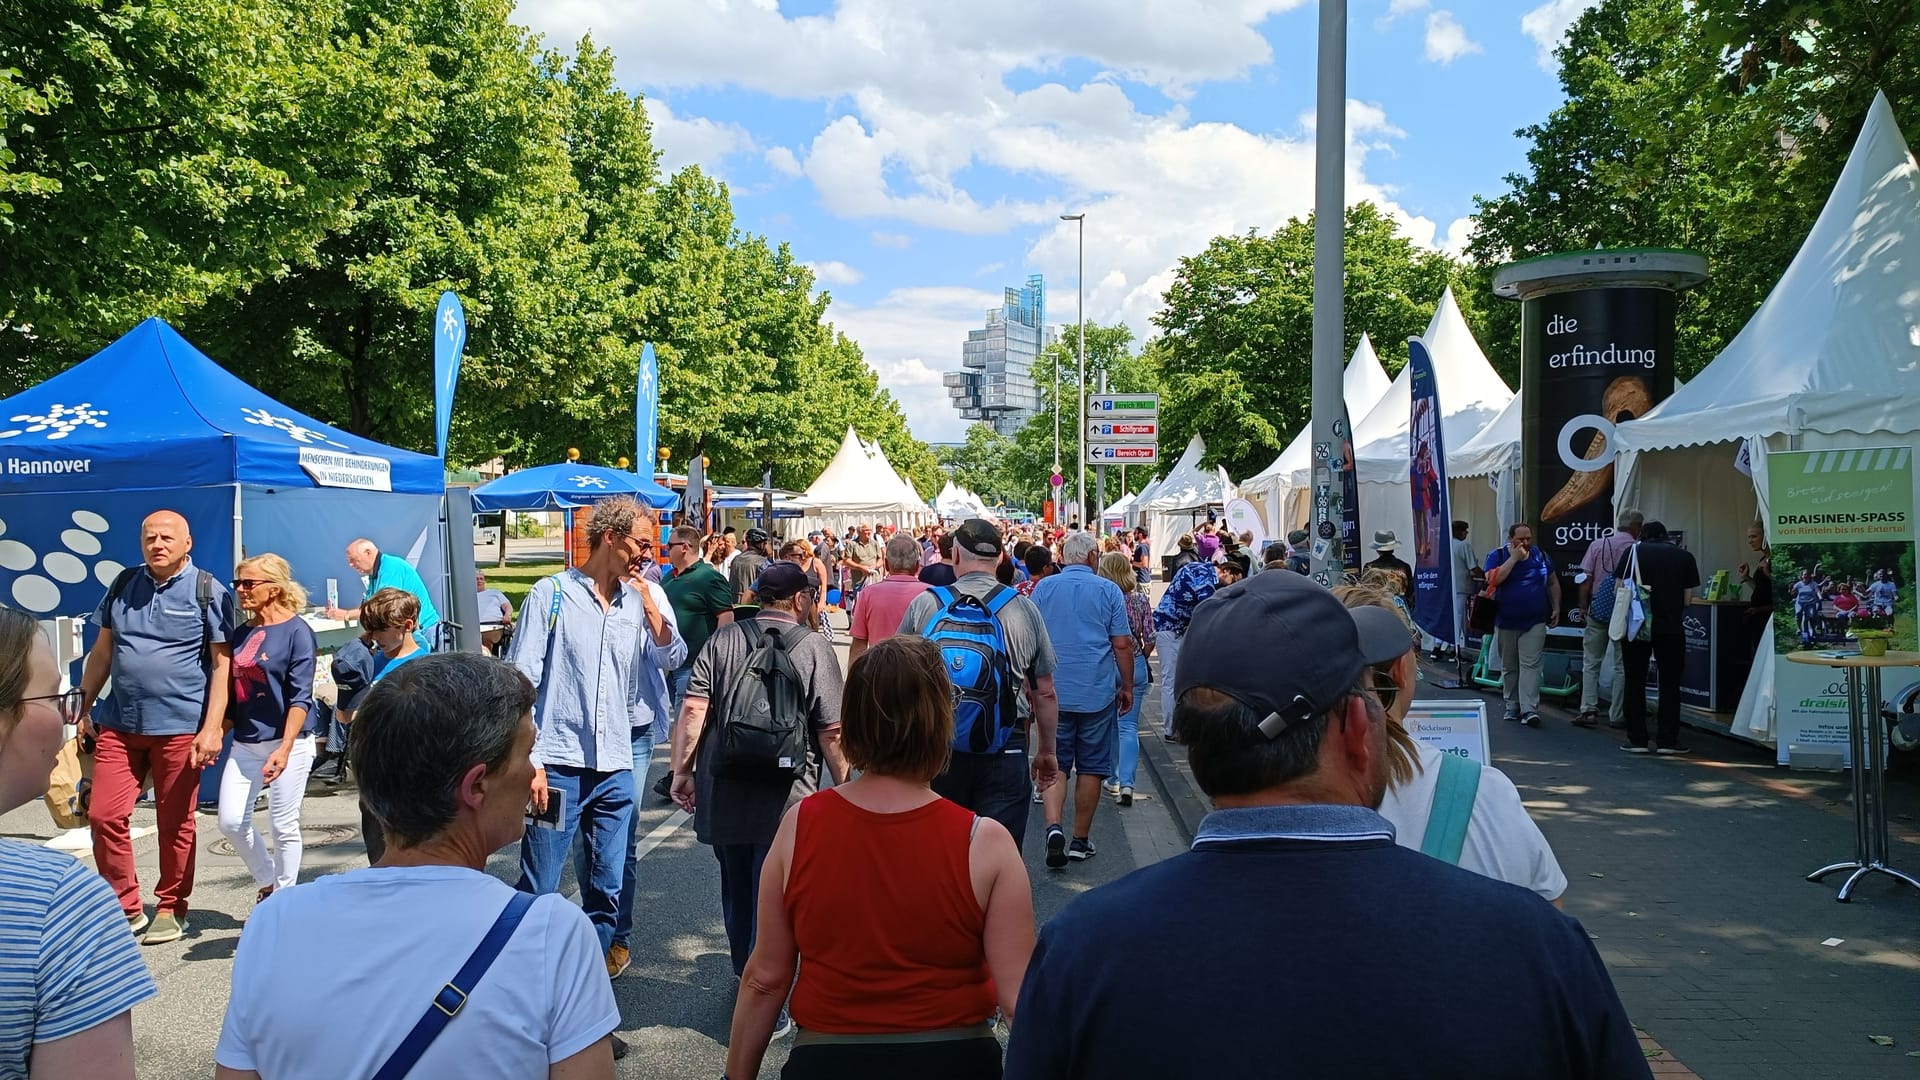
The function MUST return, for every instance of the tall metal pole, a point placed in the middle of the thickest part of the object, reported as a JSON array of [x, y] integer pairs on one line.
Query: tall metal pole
[[1080, 467], [1329, 269]]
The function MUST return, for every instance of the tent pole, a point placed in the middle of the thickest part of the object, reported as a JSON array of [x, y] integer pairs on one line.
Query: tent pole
[[239, 551], [500, 560]]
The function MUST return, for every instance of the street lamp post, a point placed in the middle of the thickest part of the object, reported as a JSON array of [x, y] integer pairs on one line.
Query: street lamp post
[[1330, 432], [1080, 313]]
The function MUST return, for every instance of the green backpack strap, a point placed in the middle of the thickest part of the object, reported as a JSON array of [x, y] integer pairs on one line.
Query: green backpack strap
[[1452, 808]]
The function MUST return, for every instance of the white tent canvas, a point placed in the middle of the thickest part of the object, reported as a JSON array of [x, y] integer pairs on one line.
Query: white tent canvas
[[855, 484], [1181, 498], [1471, 396], [1361, 387], [1831, 360]]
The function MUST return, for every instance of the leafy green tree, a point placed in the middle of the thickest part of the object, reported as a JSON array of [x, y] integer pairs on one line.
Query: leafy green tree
[[980, 464], [1235, 355], [1030, 461]]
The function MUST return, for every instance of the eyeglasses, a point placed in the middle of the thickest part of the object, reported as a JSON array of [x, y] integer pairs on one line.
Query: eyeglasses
[[67, 704], [250, 583]]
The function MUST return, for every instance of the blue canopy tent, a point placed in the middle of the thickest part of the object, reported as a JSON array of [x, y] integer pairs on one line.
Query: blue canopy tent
[[151, 423], [568, 485]]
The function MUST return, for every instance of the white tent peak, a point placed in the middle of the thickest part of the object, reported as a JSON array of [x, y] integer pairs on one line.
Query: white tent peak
[[1835, 347], [1360, 387], [1471, 395]]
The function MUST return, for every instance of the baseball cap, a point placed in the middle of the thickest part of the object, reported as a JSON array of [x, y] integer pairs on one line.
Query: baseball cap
[[1297, 537], [757, 536], [978, 537], [782, 579], [1235, 645]]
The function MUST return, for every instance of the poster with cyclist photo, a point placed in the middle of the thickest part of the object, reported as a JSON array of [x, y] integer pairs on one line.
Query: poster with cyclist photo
[[1843, 570]]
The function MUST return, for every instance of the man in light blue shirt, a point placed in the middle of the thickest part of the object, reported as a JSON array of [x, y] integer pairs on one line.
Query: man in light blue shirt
[[596, 641], [1086, 618], [387, 571]]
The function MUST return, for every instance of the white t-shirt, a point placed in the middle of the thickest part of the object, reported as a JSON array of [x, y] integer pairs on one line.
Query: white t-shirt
[[364, 952], [1502, 843]]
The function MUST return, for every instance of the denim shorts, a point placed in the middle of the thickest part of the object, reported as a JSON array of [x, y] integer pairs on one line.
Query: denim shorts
[[1090, 741]]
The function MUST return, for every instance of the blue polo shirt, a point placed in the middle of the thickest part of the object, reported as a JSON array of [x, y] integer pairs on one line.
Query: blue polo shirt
[[1084, 612], [1522, 594], [1310, 944], [159, 682], [394, 572]]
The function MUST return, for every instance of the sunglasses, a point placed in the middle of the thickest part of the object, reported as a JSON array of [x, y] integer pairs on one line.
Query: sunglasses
[[250, 583], [66, 703], [1385, 687]]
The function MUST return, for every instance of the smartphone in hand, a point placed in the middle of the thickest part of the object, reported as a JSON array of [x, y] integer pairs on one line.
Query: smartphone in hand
[[554, 813]]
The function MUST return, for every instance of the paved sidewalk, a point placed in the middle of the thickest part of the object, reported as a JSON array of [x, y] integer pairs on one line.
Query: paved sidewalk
[[1689, 874]]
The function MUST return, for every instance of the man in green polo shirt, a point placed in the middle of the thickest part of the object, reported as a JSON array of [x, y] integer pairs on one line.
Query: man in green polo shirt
[[702, 603]]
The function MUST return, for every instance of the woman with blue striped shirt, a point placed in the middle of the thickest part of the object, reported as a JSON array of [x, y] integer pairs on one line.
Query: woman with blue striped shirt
[[70, 974]]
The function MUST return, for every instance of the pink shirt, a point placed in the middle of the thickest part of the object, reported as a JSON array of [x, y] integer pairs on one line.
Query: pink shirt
[[883, 604]]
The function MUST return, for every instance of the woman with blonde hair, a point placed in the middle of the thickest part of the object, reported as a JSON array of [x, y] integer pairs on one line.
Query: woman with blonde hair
[[1499, 839], [909, 918], [1116, 567], [271, 720], [72, 973]]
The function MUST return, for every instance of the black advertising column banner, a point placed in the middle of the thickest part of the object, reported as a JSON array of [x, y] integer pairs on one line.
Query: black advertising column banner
[[1590, 359]]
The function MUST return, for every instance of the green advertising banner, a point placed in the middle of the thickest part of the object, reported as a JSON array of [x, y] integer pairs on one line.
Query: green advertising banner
[[1842, 530]]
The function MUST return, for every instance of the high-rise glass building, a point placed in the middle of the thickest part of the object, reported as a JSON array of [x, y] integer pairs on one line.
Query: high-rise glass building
[[996, 381]]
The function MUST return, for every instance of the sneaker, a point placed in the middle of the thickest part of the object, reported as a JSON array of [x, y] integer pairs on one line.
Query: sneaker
[[137, 920], [1112, 787], [1586, 719], [1126, 796], [618, 957], [166, 927], [663, 787], [1632, 749], [1671, 751], [1531, 720], [1056, 847], [783, 1024], [1080, 850], [1511, 717], [619, 1047], [1037, 800]]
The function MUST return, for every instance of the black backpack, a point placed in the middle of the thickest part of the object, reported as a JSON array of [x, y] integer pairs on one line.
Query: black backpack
[[763, 736]]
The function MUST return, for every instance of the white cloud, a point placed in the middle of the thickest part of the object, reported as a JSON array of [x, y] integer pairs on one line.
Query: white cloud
[[693, 140], [897, 241], [834, 272], [1447, 40], [1397, 9], [1548, 24], [782, 161], [1459, 231], [910, 337]]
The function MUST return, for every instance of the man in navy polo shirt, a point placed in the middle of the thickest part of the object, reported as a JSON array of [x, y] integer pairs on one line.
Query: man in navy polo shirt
[[1306, 942], [163, 637]]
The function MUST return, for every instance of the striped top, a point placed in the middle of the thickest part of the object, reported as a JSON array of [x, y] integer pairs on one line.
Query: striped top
[[67, 961]]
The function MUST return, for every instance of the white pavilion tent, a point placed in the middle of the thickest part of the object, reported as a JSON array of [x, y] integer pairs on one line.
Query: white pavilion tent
[[858, 487], [1180, 500], [1830, 361], [1362, 386], [922, 512], [1471, 396]]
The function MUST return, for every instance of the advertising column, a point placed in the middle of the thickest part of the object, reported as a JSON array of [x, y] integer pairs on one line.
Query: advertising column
[[1596, 350], [1841, 525]]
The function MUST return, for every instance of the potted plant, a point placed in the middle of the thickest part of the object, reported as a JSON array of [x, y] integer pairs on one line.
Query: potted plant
[[1872, 632]]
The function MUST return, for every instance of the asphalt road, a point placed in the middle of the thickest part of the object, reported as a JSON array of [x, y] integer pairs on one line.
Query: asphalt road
[[676, 1001]]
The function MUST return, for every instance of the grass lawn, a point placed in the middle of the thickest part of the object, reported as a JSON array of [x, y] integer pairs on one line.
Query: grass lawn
[[517, 580]]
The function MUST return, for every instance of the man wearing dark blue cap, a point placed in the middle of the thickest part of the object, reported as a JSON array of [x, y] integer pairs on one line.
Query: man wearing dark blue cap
[[1306, 941]]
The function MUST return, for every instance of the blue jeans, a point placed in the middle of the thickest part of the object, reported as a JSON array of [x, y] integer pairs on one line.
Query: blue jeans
[[629, 881], [600, 806], [1130, 726], [740, 896]]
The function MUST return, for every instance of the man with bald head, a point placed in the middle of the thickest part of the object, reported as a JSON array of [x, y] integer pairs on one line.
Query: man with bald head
[[386, 571], [164, 628]]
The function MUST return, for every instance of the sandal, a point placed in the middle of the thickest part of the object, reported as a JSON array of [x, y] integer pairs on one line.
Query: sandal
[[265, 891]]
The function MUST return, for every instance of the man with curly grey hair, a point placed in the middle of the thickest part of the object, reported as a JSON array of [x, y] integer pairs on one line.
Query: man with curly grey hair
[[596, 641]]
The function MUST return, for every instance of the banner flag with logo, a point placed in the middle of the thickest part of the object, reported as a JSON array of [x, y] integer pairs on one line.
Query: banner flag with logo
[[646, 412], [1432, 599], [449, 339]]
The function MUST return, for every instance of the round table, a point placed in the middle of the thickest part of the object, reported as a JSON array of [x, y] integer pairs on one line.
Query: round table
[[1868, 744]]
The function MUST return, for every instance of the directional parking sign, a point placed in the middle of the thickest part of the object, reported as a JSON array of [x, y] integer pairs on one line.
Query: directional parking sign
[[1130, 406], [1112, 431]]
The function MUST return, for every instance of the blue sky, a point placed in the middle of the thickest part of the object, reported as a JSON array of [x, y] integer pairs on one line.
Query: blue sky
[[918, 152]]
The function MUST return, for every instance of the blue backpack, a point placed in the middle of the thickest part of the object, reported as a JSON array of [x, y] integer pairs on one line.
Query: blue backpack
[[974, 648]]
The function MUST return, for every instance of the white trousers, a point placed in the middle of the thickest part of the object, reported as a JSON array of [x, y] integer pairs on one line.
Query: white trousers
[[1167, 647], [240, 786]]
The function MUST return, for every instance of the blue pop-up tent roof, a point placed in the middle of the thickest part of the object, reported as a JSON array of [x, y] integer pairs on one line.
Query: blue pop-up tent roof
[[151, 411], [568, 484]]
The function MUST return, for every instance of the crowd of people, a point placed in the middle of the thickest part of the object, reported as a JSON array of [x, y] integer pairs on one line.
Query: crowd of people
[[867, 826]]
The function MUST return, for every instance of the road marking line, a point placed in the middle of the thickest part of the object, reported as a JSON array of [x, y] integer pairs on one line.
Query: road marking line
[[647, 843]]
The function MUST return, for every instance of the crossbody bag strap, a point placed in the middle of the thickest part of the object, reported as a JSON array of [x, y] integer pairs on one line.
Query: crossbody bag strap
[[1452, 810], [453, 996]]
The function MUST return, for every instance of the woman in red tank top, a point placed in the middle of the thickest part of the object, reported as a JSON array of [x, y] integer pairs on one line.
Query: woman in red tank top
[[914, 916]]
